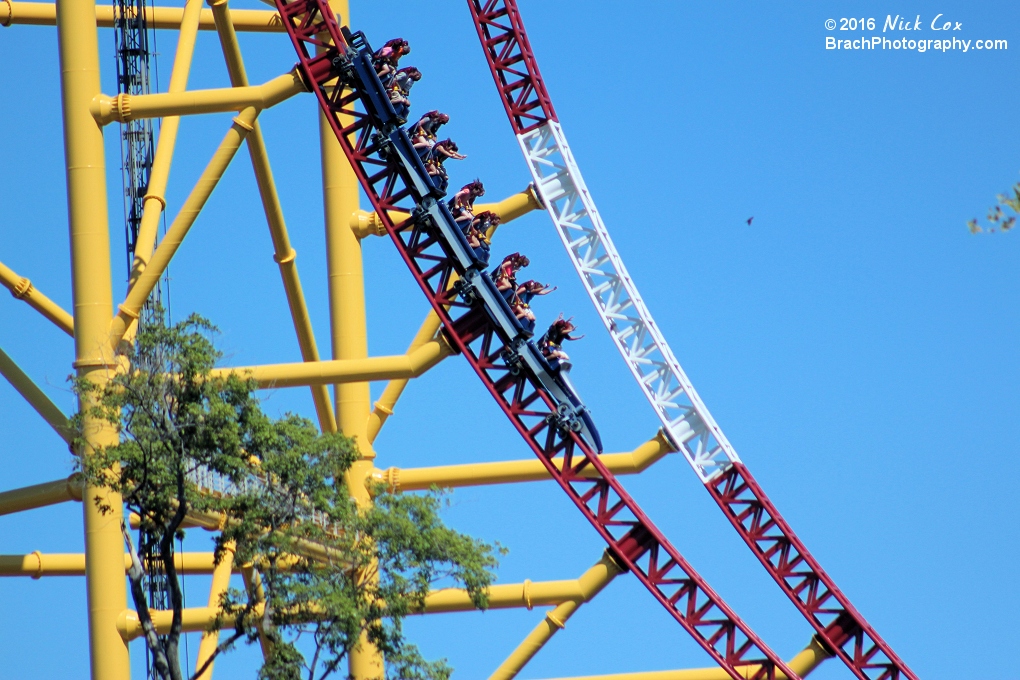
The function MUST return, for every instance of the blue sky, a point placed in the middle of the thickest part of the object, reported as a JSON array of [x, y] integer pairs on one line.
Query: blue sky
[[856, 343]]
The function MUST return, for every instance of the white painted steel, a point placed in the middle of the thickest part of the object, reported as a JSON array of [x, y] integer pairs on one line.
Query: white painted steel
[[658, 373]]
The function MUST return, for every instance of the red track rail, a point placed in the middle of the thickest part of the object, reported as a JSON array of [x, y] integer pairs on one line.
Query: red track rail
[[528, 106], [633, 539]]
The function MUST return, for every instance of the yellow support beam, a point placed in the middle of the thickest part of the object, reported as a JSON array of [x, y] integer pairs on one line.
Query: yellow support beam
[[37, 564], [343, 371], [35, 397], [211, 638], [40, 495], [129, 310], [590, 584], [383, 408], [507, 596], [92, 295], [365, 223], [285, 256], [512, 471], [126, 107], [22, 289], [45, 14], [154, 201], [802, 664]]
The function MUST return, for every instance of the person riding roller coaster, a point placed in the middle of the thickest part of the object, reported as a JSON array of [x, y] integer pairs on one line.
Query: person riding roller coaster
[[435, 158], [400, 89], [551, 343], [477, 234], [505, 275], [520, 303], [423, 133], [462, 204], [386, 58]]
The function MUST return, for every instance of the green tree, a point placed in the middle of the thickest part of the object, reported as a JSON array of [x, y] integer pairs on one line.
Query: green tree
[[328, 572], [998, 220]]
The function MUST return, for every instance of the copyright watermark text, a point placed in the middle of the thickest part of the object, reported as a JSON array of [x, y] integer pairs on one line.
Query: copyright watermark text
[[899, 33]]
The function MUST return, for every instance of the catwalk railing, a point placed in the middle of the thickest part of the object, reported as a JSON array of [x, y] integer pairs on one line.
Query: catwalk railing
[[658, 373]]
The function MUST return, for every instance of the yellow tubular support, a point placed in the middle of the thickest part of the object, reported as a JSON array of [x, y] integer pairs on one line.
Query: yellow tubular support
[[92, 293], [139, 293], [802, 664], [365, 223], [40, 495], [285, 255], [343, 371], [511, 471], [154, 204], [253, 584], [383, 408], [45, 14], [211, 638], [22, 289], [35, 397], [510, 595], [590, 584], [39, 564], [125, 107]]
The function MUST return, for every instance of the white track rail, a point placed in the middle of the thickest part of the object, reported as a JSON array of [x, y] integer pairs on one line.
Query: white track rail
[[569, 203]]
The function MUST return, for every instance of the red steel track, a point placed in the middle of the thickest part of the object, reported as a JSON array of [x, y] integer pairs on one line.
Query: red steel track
[[633, 539], [814, 593]]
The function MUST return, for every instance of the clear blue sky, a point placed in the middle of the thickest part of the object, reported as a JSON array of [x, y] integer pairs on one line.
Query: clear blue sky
[[856, 343]]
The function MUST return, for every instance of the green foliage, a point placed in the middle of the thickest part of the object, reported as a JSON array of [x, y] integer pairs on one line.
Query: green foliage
[[997, 219], [327, 574]]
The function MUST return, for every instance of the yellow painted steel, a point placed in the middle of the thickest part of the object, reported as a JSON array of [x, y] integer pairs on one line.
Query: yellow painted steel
[[129, 310], [511, 471], [22, 289], [126, 107], [37, 564], [383, 408], [154, 202], [27, 388], [368, 223], [590, 584], [802, 664], [253, 583], [506, 596], [211, 638], [344, 371], [285, 256], [40, 495], [92, 294], [45, 14]]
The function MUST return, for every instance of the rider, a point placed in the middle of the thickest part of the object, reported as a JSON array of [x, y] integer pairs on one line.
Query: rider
[[520, 303], [505, 275], [400, 88], [463, 203], [386, 57], [423, 133], [551, 344], [477, 234], [435, 158]]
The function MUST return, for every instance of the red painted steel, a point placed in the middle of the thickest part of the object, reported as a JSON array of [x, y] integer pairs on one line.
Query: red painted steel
[[634, 540], [528, 106], [512, 64]]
